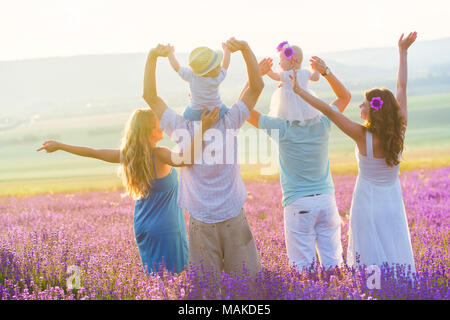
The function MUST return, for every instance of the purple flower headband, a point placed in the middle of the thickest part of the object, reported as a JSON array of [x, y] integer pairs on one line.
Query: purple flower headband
[[376, 103], [288, 52]]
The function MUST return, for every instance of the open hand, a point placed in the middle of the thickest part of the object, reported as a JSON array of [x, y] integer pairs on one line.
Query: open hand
[[404, 44], [50, 146], [318, 64], [265, 65], [236, 45], [208, 118]]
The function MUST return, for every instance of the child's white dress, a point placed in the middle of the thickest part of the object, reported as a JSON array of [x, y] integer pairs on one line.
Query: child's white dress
[[288, 105], [378, 230]]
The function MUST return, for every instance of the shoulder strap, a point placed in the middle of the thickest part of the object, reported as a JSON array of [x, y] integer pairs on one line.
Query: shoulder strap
[[153, 162], [369, 149]]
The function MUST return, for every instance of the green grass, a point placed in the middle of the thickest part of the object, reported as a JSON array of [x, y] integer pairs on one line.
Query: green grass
[[112, 182], [24, 171], [59, 185]]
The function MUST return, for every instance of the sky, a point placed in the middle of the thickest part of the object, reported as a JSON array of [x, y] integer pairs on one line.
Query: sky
[[49, 28]]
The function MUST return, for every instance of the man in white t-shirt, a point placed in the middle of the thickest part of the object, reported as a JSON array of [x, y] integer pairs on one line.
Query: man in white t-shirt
[[213, 191]]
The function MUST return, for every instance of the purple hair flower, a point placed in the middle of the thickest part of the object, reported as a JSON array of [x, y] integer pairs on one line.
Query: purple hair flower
[[376, 103], [288, 53], [281, 45]]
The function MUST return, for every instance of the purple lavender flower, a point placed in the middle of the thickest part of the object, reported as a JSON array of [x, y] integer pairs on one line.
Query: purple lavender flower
[[41, 235]]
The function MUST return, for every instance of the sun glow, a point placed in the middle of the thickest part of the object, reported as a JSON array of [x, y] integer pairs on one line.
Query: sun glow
[[31, 29]]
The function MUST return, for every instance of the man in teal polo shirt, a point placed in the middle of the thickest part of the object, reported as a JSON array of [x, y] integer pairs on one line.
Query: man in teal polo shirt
[[311, 216]]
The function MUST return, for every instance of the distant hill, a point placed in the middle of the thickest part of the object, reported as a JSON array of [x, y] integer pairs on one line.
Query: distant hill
[[424, 55], [54, 87]]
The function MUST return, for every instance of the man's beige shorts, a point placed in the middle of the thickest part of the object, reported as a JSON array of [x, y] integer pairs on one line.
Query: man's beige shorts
[[226, 245]]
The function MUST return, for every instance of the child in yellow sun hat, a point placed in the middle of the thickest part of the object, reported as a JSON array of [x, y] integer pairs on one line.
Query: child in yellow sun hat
[[207, 69]]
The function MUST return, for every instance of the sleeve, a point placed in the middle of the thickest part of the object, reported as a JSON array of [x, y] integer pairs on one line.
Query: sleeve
[[236, 116], [325, 119], [222, 75], [268, 124], [186, 73], [176, 127]]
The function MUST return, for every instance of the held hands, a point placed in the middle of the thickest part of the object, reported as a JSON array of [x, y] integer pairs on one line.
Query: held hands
[[208, 118], [265, 65], [50, 146], [231, 45], [236, 45], [225, 47], [318, 64], [404, 44], [161, 50]]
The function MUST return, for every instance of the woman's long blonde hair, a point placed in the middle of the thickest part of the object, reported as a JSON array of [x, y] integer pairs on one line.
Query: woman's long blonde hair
[[387, 123], [136, 150]]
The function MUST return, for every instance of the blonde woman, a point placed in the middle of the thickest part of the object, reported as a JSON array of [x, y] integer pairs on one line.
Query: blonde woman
[[149, 177]]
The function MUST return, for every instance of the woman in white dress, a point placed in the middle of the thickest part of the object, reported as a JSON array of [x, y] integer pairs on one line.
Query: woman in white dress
[[378, 232]]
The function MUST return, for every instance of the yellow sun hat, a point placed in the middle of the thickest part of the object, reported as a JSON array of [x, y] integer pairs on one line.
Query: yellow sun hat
[[202, 60]]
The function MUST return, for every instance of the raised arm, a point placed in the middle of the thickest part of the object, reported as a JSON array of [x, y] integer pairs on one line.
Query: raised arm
[[173, 60], [150, 95], [265, 65], [185, 159], [273, 75], [108, 155], [403, 45], [255, 82], [353, 129], [342, 94], [226, 57]]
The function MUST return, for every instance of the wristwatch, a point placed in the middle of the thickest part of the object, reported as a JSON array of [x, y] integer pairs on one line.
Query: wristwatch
[[327, 72]]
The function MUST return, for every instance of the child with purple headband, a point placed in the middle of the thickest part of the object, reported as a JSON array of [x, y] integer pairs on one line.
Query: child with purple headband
[[285, 104]]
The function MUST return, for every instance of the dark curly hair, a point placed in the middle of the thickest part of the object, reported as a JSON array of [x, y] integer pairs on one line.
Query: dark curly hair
[[387, 123]]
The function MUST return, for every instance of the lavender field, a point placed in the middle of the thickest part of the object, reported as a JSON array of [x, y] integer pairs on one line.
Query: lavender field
[[41, 236]]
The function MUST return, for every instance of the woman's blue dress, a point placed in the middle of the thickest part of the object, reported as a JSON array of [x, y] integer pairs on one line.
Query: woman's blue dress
[[159, 226]]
